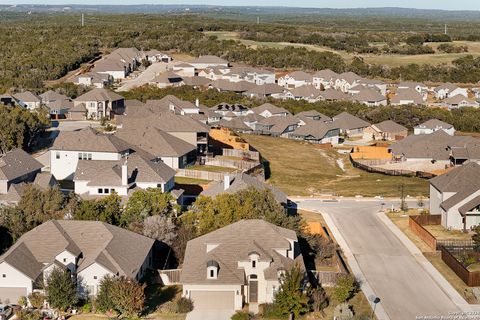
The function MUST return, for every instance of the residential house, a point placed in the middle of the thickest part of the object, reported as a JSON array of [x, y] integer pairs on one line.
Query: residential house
[[313, 115], [236, 124], [417, 86], [347, 80], [449, 90], [58, 104], [100, 103], [249, 74], [370, 97], [306, 92], [223, 85], [374, 84], [51, 96], [437, 147], [295, 79], [385, 130], [214, 73], [277, 126], [89, 250], [154, 56], [167, 79], [334, 95], [16, 169], [27, 100], [460, 101], [350, 125], [317, 132], [207, 61], [269, 110], [87, 144], [324, 79], [197, 82], [157, 145], [97, 178], [432, 125], [266, 90], [119, 64], [455, 196], [241, 263], [184, 69], [407, 96], [94, 79], [172, 104]]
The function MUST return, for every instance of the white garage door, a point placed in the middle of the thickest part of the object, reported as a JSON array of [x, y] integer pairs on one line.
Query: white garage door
[[218, 300], [11, 295]]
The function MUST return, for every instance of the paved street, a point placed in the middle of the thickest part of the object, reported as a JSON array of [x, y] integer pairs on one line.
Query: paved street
[[405, 288], [145, 77]]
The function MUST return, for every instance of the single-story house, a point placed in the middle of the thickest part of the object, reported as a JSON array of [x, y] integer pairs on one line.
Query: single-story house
[[433, 125], [350, 125], [385, 130]]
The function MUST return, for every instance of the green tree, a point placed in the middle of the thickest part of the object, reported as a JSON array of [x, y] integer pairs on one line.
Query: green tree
[[123, 295], [104, 300], [107, 209], [345, 288], [290, 298], [36, 299], [61, 290]]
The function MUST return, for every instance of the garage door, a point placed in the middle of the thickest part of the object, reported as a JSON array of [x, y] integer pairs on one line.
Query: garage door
[[219, 300], [11, 295]]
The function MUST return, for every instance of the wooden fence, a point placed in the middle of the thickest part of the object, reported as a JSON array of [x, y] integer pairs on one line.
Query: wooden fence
[[198, 174], [254, 155], [471, 279], [416, 224], [169, 277], [369, 166], [228, 163]]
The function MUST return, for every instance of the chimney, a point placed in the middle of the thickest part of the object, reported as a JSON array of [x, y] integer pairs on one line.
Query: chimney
[[197, 103], [125, 174], [226, 182]]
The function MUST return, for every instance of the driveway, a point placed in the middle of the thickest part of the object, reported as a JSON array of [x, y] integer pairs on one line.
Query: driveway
[[209, 314], [67, 125], [405, 288]]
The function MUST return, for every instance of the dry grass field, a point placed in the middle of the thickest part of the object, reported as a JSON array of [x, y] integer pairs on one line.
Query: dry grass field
[[300, 168]]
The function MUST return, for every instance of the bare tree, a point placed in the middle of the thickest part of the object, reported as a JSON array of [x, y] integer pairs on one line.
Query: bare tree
[[161, 228]]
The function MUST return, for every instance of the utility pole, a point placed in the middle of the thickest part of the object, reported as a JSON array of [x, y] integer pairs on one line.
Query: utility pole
[[403, 206], [445, 28], [258, 20], [83, 20]]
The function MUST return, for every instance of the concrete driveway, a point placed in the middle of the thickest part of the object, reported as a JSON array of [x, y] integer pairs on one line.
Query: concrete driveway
[[209, 314], [405, 288], [146, 76]]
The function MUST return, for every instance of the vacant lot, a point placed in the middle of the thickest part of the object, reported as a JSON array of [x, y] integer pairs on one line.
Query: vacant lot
[[300, 168], [392, 60]]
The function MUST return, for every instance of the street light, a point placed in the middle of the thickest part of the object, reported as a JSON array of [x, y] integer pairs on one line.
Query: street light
[[375, 300]]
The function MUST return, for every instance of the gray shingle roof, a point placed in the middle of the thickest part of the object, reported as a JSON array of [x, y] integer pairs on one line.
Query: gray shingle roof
[[99, 94], [315, 129], [409, 94], [89, 140], [16, 163], [346, 121], [116, 249], [435, 124], [369, 95], [234, 243], [390, 126], [26, 96], [273, 109]]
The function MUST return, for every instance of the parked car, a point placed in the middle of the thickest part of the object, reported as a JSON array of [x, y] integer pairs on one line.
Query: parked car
[[5, 312]]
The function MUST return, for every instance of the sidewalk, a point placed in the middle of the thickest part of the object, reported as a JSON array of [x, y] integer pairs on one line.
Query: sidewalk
[[352, 262], [431, 270]]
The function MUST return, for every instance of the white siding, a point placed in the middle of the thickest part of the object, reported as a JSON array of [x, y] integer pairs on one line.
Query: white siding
[[13, 279], [90, 278]]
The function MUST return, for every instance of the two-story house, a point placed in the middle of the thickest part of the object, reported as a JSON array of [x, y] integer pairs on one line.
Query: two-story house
[[238, 264], [89, 250], [100, 103]]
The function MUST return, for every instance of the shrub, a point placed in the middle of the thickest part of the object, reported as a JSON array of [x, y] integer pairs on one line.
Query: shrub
[[36, 299], [270, 310], [25, 314], [87, 308], [241, 315], [22, 301], [345, 288], [183, 305], [343, 312]]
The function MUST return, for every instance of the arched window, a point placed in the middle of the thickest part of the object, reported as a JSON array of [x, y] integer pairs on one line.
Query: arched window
[[212, 269]]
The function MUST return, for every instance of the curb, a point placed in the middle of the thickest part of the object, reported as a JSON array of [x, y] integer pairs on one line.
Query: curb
[[439, 279], [352, 262]]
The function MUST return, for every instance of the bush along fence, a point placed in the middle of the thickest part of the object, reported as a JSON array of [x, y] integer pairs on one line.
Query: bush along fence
[[451, 254], [329, 278]]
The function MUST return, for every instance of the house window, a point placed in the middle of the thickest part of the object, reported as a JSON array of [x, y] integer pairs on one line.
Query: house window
[[95, 277], [64, 259], [4, 275], [212, 273], [100, 190], [254, 264], [57, 155], [89, 156], [106, 191], [80, 156]]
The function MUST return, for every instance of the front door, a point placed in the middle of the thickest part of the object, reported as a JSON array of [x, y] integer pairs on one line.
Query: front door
[[253, 288]]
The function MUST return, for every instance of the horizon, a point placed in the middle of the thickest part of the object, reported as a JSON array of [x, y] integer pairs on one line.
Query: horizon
[[461, 5]]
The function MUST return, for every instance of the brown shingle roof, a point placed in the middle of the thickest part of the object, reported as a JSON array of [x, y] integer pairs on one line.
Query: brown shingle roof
[[346, 121], [273, 109], [390, 126], [99, 94], [16, 163], [89, 140]]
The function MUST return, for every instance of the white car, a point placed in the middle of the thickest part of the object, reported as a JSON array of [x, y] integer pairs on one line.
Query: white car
[[5, 312]]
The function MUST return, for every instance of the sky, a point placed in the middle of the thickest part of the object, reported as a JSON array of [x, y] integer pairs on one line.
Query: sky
[[420, 4]]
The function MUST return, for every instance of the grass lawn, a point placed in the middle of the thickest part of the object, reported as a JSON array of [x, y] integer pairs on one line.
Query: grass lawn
[[211, 168], [442, 234], [401, 221], [300, 168], [185, 180], [359, 303]]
